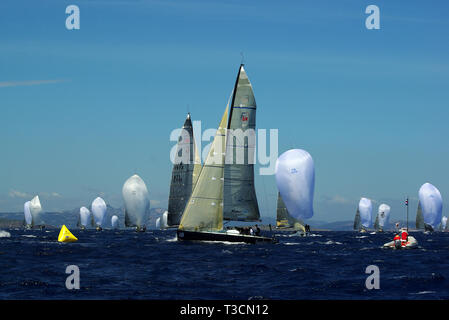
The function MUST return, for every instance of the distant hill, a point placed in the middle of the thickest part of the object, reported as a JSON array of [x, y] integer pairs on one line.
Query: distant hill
[[9, 223], [70, 218]]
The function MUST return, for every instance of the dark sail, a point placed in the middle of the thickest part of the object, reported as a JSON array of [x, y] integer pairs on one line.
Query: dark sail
[[357, 220], [240, 201], [283, 217], [184, 174]]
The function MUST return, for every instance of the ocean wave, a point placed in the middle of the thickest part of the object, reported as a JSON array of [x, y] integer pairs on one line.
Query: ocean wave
[[4, 234], [331, 242], [423, 292]]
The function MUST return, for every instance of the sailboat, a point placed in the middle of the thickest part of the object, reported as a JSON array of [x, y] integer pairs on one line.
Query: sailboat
[[185, 173], [114, 222], [36, 210], [137, 203], [432, 205], [83, 218], [99, 213], [225, 186], [161, 222], [283, 218], [382, 217], [362, 219], [357, 221]]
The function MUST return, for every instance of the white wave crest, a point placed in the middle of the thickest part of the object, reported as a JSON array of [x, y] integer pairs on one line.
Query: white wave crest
[[4, 234]]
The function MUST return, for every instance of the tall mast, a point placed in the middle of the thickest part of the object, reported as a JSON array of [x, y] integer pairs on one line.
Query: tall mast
[[406, 203]]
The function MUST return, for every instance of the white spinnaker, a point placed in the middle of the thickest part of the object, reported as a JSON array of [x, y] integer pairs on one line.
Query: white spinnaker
[[137, 201], [84, 216], [295, 179], [431, 204], [99, 211], [164, 220], [36, 209], [365, 208], [27, 213], [114, 222], [383, 214], [443, 222]]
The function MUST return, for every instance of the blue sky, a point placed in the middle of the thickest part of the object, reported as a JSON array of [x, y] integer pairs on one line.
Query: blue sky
[[82, 110]]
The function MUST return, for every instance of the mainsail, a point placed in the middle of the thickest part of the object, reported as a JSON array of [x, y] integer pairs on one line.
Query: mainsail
[[185, 173], [240, 201], [419, 217], [376, 223], [283, 217], [204, 210], [357, 220]]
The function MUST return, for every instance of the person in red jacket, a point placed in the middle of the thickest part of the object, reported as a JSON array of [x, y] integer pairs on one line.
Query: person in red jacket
[[404, 238], [397, 241]]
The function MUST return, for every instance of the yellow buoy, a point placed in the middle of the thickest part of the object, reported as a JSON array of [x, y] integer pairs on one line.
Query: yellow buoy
[[66, 236]]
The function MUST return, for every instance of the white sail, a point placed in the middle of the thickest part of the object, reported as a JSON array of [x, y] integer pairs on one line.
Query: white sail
[[27, 213], [295, 179], [383, 214], [36, 209], [164, 221], [114, 222], [431, 204], [443, 223], [84, 218], [204, 210], [137, 202], [99, 211], [365, 209], [158, 223]]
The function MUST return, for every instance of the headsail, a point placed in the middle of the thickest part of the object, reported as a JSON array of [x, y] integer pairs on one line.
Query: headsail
[[185, 173], [383, 215], [114, 222], [99, 211], [83, 219], [36, 209], [240, 201], [204, 210], [431, 204], [28, 219], [137, 202], [365, 208]]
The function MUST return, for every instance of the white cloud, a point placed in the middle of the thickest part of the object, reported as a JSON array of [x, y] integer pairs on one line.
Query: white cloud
[[18, 194]]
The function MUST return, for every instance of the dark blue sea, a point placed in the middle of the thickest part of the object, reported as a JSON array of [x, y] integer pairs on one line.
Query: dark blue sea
[[153, 265]]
